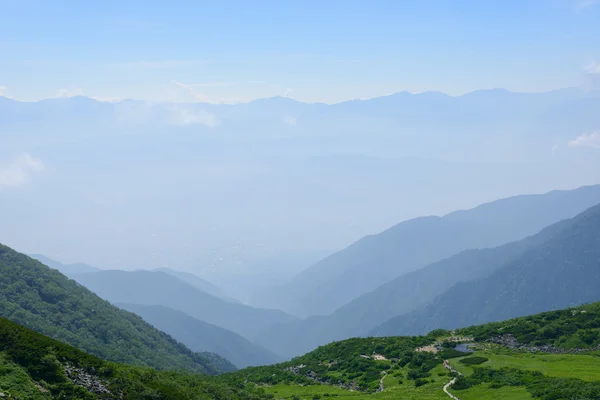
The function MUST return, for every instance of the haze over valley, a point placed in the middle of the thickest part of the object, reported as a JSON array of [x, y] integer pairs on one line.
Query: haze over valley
[[298, 200]]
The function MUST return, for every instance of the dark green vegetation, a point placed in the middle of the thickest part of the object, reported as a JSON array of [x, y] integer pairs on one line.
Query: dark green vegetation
[[564, 271], [410, 245], [354, 363], [44, 300], [161, 289], [475, 360], [33, 366], [201, 336], [571, 328], [537, 384]]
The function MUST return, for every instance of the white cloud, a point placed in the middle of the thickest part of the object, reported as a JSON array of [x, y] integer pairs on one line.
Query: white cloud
[[589, 140], [3, 90], [108, 99], [583, 4], [63, 93], [174, 114], [593, 68], [554, 149], [289, 120], [180, 115], [19, 170]]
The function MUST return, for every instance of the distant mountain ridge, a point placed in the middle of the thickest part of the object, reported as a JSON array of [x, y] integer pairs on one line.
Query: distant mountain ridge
[[153, 288], [199, 283], [397, 297], [413, 244], [561, 272], [204, 337], [67, 269]]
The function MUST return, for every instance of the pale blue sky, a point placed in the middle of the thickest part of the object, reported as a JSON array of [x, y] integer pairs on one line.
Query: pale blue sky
[[310, 50]]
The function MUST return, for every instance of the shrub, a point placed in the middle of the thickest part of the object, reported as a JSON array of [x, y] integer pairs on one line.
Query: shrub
[[421, 382], [476, 360]]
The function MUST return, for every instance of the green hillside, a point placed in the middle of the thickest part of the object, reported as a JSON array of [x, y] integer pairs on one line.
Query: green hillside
[[554, 355], [46, 301], [36, 367], [549, 356]]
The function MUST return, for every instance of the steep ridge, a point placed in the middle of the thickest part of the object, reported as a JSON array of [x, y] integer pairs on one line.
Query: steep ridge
[[44, 300], [159, 288], [401, 295], [204, 337], [562, 272], [410, 245]]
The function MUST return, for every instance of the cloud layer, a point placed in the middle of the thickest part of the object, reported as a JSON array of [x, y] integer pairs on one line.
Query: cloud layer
[[19, 170], [590, 140]]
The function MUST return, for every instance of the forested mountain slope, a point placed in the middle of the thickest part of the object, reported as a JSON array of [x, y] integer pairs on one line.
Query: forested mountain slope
[[564, 271], [44, 300], [36, 367]]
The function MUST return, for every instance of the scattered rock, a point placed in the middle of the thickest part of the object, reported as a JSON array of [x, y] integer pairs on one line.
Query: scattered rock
[[512, 343]]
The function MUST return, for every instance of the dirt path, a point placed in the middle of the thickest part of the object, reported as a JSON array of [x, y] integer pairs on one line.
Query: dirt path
[[447, 385], [381, 386]]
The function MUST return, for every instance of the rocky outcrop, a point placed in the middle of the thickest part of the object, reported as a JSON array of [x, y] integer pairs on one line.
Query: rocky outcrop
[[312, 375], [89, 381], [512, 343]]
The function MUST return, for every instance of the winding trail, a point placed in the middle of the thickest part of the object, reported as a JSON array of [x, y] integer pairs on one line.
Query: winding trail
[[447, 385], [381, 386]]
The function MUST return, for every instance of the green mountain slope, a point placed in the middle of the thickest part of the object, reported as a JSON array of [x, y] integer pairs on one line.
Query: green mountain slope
[[159, 288], [552, 355], [36, 367], [413, 244], [201, 336], [44, 300], [562, 272], [403, 294]]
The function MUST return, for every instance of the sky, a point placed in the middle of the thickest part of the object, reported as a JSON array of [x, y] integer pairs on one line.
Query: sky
[[314, 51]]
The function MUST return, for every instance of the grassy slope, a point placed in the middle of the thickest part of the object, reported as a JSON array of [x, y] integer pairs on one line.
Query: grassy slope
[[576, 327]]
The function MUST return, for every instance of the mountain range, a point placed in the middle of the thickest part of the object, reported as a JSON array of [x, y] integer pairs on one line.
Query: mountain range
[[561, 272], [155, 288], [203, 337], [408, 246], [275, 178]]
